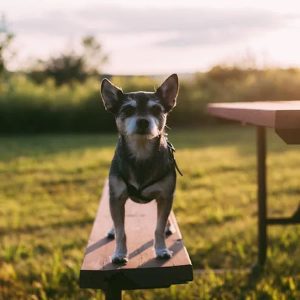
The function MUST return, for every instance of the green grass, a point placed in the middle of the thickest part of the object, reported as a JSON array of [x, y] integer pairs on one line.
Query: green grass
[[49, 191]]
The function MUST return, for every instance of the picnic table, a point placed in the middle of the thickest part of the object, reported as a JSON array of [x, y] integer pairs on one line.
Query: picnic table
[[284, 117]]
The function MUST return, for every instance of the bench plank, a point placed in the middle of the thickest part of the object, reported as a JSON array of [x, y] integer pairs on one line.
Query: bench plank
[[143, 270]]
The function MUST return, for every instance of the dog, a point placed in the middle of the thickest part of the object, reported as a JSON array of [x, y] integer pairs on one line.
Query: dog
[[143, 167]]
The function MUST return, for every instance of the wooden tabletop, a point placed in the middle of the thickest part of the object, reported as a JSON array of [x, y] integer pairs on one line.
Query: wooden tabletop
[[143, 270], [283, 116]]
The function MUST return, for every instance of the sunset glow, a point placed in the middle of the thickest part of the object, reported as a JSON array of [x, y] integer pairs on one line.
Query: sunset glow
[[159, 37]]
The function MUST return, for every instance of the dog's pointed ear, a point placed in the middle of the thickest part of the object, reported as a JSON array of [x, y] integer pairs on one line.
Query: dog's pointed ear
[[167, 92], [111, 96]]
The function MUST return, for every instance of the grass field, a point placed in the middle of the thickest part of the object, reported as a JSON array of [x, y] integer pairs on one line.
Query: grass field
[[49, 191]]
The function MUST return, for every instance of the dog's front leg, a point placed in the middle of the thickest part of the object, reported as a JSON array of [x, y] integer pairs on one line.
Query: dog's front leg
[[117, 200], [163, 211]]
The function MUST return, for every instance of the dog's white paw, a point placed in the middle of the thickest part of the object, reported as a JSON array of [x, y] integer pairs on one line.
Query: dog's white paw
[[169, 230], [111, 234], [119, 258], [163, 253]]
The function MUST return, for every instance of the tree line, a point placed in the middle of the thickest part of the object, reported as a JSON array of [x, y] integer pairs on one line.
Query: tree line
[[61, 93]]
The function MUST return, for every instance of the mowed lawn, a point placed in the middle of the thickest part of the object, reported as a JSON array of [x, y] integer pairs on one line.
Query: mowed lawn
[[49, 191]]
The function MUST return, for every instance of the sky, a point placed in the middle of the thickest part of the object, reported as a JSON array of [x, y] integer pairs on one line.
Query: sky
[[158, 37]]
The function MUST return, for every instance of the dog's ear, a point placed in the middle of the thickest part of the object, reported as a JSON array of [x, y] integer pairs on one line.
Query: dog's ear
[[167, 92], [111, 96]]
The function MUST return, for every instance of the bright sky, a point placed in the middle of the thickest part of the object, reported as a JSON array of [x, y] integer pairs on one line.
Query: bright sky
[[152, 37]]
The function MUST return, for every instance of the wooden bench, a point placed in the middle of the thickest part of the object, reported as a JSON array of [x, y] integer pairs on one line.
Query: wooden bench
[[143, 270]]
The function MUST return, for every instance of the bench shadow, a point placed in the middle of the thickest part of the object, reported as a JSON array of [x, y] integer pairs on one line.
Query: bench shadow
[[141, 249], [131, 255], [154, 262], [98, 244]]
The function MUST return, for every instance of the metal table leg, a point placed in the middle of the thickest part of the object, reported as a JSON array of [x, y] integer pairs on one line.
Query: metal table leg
[[261, 195]]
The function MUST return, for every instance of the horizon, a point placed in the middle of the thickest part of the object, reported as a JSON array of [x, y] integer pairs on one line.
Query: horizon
[[159, 38]]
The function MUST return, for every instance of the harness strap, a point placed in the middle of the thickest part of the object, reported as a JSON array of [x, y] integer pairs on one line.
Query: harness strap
[[171, 151], [133, 191]]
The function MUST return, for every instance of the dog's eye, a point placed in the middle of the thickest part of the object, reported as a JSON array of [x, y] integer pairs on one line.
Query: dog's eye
[[155, 109], [128, 110]]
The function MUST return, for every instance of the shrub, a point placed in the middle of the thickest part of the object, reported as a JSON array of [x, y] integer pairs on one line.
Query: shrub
[[28, 107]]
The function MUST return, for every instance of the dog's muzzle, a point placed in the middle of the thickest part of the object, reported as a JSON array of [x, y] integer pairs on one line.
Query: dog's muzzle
[[143, 126]]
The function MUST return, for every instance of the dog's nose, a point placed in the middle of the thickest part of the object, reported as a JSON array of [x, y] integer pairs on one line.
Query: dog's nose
[[142, 123]]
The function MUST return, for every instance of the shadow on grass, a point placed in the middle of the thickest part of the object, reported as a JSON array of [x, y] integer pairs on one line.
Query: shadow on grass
[[246, 281], [32, 228], [39, 146], [228, 252], [242, 138]]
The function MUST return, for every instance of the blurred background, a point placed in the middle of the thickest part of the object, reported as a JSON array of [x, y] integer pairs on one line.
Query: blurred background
[[54, 54], [56, 140]]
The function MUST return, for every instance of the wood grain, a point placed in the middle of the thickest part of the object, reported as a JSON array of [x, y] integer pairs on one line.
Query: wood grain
[[143, 270]]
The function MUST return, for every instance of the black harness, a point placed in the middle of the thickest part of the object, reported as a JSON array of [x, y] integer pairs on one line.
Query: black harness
[[172, 150], [137, 193]]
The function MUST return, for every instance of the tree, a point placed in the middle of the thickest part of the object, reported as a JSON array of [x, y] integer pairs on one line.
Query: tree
[[93, 55], [69, 67], [66, 68], [6, 38]]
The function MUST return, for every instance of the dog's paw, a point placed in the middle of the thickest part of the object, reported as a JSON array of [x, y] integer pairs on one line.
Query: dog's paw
[[169, 230], [119, 258], [163, 253], [111, 234]]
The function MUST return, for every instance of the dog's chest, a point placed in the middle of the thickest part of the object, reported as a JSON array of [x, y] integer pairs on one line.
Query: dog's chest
[[132, 179], [140, 176], [142, 164], [141, 189], [139, 148]]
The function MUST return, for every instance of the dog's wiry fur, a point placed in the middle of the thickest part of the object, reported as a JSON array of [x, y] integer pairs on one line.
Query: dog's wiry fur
[[141, 168]]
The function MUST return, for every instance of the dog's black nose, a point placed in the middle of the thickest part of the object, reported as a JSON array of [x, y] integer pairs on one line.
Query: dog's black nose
[[142, 124]]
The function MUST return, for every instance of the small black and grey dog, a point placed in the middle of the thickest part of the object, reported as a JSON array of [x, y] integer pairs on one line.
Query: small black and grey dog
[[143, 167]]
